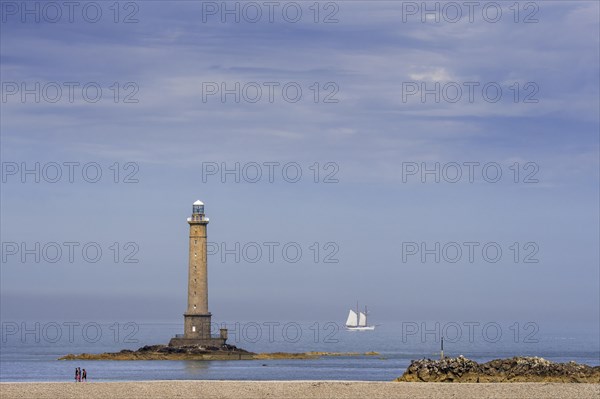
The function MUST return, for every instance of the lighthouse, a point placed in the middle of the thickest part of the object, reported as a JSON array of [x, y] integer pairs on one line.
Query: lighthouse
[[196, 319]]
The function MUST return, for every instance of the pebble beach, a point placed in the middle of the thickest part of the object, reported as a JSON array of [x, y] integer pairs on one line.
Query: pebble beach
[[296, 389]]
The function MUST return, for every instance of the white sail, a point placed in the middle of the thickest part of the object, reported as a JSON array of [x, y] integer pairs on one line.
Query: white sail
[[362, 320], [352, 319]]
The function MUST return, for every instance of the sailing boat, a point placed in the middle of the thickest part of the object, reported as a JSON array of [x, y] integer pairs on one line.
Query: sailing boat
[[357, 321]]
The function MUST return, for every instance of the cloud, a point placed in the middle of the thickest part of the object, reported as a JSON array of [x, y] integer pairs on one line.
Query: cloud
[[435, 74]]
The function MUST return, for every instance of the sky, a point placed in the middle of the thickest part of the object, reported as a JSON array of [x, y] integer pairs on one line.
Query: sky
[[376, 148]]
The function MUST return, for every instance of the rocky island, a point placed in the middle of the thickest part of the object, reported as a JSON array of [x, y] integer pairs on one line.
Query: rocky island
[[194, 352], [516, 369]]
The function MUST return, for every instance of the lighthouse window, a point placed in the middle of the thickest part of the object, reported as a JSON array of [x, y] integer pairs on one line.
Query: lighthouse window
[[195, 242], [194, 306]]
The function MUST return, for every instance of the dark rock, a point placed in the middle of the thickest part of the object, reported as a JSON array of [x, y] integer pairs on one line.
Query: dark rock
[[516, 369], [150, 348]]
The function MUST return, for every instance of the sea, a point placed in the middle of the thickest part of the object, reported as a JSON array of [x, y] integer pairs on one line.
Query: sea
[[30, 351]]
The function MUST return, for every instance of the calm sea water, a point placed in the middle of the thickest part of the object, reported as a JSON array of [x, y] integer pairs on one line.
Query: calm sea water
[[33, 356]]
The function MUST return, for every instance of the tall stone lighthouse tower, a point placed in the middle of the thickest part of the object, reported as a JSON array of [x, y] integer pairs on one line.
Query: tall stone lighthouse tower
[[196, 319]]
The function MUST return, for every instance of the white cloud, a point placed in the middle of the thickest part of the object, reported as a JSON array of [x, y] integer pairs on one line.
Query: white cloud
[[434, 74]]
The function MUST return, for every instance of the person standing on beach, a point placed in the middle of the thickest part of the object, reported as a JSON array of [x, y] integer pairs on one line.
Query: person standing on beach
[[76, 374], [83, 375]]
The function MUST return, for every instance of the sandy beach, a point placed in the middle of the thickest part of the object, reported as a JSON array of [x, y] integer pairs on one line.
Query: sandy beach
[[295, 389]]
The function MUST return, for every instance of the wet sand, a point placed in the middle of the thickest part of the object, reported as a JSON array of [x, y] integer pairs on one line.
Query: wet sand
[[296, 389]]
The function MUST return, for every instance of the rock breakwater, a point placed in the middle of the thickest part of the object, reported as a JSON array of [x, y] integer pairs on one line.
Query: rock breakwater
[[516, 369]]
